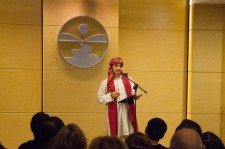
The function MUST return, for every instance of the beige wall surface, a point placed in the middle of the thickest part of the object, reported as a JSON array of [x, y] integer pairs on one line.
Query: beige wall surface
[[150, 36], [159, 53], [20, 69], [71, 92], [205, 69], [222, 131], [153, 42]]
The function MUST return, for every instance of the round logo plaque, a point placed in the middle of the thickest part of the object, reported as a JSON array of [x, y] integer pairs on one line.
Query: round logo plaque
[[82, 42]]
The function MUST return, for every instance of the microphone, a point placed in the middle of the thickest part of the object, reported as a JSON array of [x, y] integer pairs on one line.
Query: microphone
[[125, 75]]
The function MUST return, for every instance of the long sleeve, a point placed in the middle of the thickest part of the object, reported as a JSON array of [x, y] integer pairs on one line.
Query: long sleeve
[[103, 96]]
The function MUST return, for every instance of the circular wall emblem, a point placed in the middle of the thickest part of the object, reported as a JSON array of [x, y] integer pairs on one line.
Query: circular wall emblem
[[82, 42]]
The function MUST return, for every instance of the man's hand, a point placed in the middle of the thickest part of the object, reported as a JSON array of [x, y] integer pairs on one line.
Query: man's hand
[[115, 94]]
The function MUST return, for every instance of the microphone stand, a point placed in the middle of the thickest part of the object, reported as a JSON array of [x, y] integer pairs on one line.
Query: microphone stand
[[135, 87]]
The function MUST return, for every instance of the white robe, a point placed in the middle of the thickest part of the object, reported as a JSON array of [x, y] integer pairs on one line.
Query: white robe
[[124, 125]]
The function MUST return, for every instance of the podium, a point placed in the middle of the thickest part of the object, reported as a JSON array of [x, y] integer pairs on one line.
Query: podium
[[129, 99]]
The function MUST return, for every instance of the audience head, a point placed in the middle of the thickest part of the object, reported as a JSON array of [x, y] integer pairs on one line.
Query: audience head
[[138, 140], [36, 123], [186, 138], [212, 141], [107, 142], [58, 121], [186, 123], [1, 146], [50, 128], [156, 128], [69, 137]]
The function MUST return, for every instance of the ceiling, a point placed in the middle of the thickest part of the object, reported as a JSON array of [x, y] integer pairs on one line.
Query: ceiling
[[207, 1]]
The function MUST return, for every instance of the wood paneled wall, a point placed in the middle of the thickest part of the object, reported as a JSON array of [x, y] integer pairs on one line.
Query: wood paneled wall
[[71, 92], [151, 37], [222, 123], [20, 69], [153, 42], [138, 41], [151, 34], [206, 67]]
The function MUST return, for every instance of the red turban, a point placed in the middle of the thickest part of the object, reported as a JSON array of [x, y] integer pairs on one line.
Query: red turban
[[113, 61]]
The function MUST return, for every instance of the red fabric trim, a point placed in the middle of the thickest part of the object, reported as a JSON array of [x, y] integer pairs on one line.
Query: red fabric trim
[[112, 109], [131, 106], [116, 60]]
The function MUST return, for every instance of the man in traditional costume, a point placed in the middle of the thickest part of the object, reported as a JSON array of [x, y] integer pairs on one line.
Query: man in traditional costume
[[121, 117]]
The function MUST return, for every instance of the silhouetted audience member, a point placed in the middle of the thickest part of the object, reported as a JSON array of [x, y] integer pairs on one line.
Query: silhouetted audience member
[[50, 128], [58, 121], [138, 140], [69, 137], [155, 130], [107, 142], [186, 138], [1, 146], [186, 123], [36, 125], [44, 128], [212, 141]]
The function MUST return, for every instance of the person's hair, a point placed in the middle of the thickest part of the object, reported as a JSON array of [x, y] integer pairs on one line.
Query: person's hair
[[212, 141], [107, 142], [186, 123], [138, 140], [58, 122], [69, 137], [156, 128], [50, 128], [36, 123], [2, 146]]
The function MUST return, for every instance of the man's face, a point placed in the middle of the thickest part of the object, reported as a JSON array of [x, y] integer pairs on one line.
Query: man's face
[[117, 69]]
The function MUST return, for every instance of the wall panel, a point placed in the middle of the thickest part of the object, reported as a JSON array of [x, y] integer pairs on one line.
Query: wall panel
[[154, 14], [57, 12], [222, 124], [206, 87], [153, 50], [158, 85], [208, 122], [206, 46], [21, 12], [151, 37], [15, 129], [74, 91], [21, 90], [71, 92], [207, 50], [21, 47], [20, 69], [222, 130], [153, 43]]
